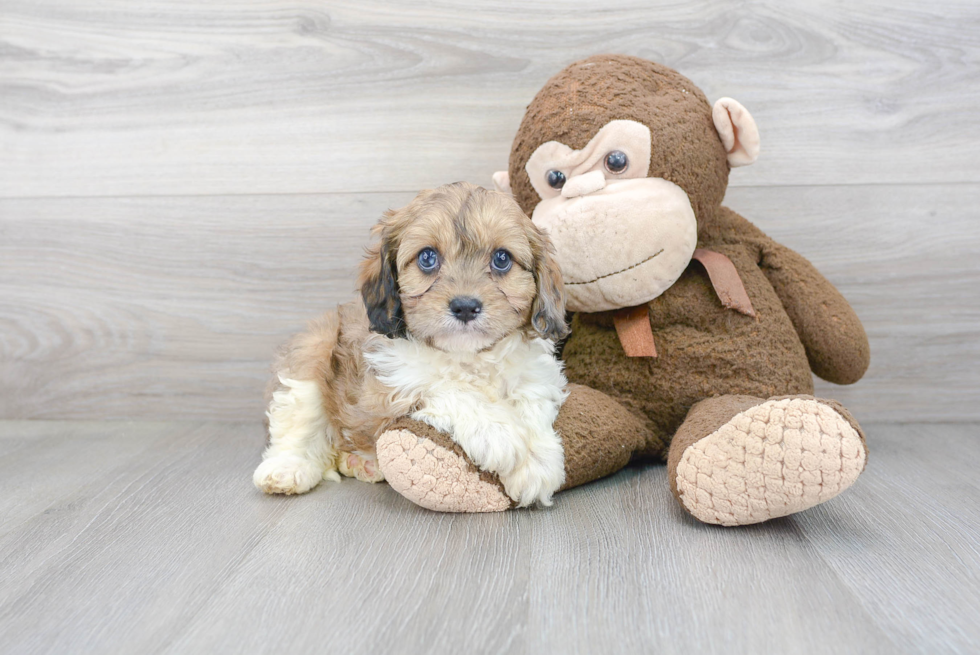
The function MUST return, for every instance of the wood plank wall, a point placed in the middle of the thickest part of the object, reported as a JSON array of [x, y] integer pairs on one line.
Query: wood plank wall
[[182, 184]]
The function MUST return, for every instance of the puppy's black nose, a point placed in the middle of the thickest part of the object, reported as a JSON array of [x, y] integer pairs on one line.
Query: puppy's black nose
[[465, 309]]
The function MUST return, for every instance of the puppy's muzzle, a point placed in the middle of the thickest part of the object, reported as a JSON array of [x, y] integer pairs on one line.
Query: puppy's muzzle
[[465, 309]]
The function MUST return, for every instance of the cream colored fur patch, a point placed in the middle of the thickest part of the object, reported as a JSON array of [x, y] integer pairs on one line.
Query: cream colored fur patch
[[300, 453], [499, 405], [775, 459]]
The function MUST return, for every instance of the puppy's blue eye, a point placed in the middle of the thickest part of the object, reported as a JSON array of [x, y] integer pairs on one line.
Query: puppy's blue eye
[[617, 161], [428, 260], [556, 179], [501, 261]]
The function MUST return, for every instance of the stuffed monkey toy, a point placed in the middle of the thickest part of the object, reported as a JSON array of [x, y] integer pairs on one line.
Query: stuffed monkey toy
[[694, 334]]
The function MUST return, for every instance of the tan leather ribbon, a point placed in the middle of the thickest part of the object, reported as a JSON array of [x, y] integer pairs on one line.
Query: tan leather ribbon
[[724, 278], [633, 323], [635, 334]]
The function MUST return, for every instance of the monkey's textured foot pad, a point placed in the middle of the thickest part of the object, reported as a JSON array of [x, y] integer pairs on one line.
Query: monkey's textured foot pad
[[435, 477], [771, 460]]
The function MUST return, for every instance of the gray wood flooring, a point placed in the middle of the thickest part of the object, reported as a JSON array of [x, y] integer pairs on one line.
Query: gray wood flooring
[[137, 537]]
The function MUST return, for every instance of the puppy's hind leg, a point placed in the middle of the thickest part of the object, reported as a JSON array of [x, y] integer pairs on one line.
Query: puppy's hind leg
[[301, 441], [361, 465]]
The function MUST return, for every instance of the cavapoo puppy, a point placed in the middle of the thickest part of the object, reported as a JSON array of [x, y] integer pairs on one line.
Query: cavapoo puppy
[[462, 300]]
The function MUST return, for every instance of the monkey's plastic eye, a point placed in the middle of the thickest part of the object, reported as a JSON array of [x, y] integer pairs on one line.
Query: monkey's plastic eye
[[556, 179], [501, 261], [617, 161], [428, 260]]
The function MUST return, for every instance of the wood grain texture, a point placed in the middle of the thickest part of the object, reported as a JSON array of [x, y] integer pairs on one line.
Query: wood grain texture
[[911, 529], [908, 259], [170, 308], [40, 465], [164, 98], [165, 307], [167, 548]]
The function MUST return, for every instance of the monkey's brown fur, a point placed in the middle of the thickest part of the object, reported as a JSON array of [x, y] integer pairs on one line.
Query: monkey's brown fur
[[704, 349]]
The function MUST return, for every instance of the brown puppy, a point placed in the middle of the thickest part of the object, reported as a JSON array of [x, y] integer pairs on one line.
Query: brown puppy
[[460, 299]]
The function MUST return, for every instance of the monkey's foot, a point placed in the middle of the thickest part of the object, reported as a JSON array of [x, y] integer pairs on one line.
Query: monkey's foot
[[768, 460], [431, 471]]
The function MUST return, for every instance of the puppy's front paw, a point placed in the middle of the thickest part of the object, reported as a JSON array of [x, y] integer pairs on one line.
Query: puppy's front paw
[[536, 479], [492, 446], [287, 474], [495, 447]]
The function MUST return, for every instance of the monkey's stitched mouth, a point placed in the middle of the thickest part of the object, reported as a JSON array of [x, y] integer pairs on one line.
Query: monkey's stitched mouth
[[628, 268]]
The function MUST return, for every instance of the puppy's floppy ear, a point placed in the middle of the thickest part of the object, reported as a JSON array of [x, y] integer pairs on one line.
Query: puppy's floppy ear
[[548, 309], [379, 283]]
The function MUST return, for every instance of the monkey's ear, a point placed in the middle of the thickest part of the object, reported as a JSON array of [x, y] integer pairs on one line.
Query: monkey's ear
[[379, 289], [501, 182], [548, 309], [737, 130]]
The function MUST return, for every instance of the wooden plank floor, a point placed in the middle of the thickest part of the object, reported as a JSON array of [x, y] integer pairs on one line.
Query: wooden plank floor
[[136, 537]]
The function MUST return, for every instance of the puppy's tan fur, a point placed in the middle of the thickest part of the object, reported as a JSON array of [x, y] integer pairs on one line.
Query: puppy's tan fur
[[341, 383]]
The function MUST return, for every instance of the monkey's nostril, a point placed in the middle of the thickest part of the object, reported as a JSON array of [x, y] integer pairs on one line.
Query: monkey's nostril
[[465, 309]]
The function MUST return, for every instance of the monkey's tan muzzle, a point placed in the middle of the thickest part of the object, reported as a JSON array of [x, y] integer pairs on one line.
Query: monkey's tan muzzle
[[620, 243]]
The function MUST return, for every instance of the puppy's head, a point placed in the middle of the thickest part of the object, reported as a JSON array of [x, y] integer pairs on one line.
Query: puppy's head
[[460, 268]]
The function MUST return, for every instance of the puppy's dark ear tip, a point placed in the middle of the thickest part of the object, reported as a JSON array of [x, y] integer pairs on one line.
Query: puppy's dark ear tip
[[379, 292], [390, 330], [383, 321], [548, 328]]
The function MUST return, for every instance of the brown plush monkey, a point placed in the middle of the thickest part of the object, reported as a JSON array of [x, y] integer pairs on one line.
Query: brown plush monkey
[[694, 333]]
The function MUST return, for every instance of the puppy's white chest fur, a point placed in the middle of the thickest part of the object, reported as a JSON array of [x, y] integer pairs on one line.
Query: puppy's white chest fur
[[499, 404]]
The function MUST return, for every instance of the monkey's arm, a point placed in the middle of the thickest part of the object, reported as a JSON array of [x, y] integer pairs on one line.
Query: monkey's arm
[[599, 436], [836, 344]]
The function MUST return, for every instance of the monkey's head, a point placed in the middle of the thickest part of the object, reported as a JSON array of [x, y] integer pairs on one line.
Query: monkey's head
[[620, 159]]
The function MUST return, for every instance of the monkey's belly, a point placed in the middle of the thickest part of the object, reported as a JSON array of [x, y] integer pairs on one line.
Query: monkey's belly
[[703, 350]]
